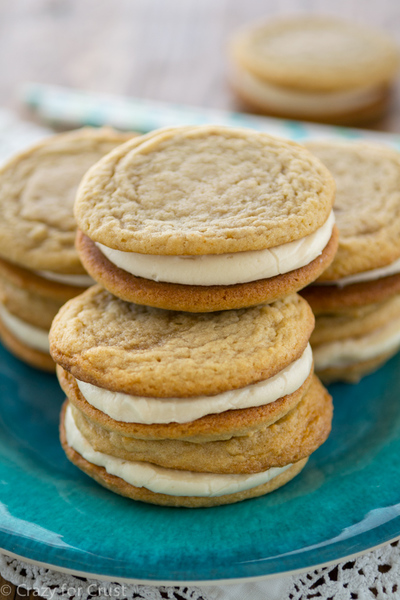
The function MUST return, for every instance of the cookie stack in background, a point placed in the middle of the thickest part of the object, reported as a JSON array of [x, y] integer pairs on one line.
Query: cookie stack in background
[[357, 299], [39, 267], [187, 409], [313, 68]]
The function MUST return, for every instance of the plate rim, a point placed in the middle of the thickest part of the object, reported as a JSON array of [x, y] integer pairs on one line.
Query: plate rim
[[32, 550], [197, 583]]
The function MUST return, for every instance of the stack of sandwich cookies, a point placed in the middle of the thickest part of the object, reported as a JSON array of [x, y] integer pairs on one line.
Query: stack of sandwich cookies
[[314, 68], [357, 299], [205, 219], [189, 410], [39, 267], [28, 304]]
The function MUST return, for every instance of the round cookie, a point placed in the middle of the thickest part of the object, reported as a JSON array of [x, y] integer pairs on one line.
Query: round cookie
[[196, 298], [370, 340], [149, 352], [355, 322], [367, 178], [35, 309], [255, 103], [38, 187], [240, 189], [123, 488], [206, 218], [32, 298], [351, 342], [289, 439], [334, 298], [28, 305], [208, 428], [315, 68], [355, 372]]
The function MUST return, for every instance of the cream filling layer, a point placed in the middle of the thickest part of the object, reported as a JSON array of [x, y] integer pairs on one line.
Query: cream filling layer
[[28, 334], [345, 353], [371, 275], [309, 104], [67, 279], [161, 480], [139, 409], [224, 269]]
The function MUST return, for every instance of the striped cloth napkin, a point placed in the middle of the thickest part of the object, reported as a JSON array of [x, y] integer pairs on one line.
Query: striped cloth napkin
[[73, 108]]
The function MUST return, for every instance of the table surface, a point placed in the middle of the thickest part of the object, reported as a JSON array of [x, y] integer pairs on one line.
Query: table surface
[[165, 50]]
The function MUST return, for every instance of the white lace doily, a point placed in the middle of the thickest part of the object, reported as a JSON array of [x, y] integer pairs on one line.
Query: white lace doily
[[373, 576]]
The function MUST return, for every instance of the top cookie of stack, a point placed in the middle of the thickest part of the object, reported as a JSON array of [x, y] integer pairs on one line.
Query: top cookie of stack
[[206, 218]]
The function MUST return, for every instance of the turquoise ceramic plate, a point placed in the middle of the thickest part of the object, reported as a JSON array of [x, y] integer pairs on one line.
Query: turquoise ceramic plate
[[345, 501]]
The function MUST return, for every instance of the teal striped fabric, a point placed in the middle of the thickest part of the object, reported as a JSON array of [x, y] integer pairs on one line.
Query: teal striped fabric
[[69, 107]]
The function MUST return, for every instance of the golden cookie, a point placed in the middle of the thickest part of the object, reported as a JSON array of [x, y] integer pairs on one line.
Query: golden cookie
[[314, 68], [246, 475], [38, 187], [198, 298], [354, 372], [121, 487], [367, 178], [289, 439], [208, 428], [355, 322], [370, 340], [144, 351], [206, 218], [332, 298]]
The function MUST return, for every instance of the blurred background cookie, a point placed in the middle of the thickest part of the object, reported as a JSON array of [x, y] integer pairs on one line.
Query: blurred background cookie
[[314, 68]]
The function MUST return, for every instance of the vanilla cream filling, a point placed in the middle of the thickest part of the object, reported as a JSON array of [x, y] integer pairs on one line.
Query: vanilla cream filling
[[224, 269], [371, 275], [31, 336], [308, 104], [140, 409], [160, 480], [67, 279], [344, 353]]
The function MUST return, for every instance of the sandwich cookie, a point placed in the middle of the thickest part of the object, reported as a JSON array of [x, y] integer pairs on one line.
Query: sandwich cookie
[[206, 218], [39, 267], [187, 409], [357, 299], [314, 68]]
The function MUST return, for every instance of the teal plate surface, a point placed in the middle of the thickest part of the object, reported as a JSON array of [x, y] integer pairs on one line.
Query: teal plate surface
[[345, 501]]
